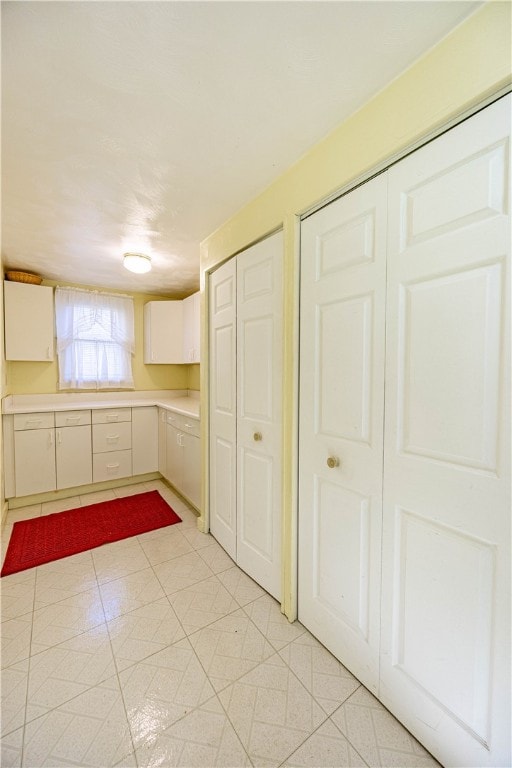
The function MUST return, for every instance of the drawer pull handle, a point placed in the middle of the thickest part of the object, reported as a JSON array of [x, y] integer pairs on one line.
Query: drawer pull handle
[[112, 438], [73, 418], [33, 421], [112, 416], [113, 466]]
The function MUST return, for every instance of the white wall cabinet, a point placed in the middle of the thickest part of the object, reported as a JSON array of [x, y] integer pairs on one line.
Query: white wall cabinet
[[163, 332], [191, 328], [183, 456], [29, 322], [404, 491]]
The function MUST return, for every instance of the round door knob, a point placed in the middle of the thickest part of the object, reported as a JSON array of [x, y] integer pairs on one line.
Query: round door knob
[[258, 436], [332, 462]]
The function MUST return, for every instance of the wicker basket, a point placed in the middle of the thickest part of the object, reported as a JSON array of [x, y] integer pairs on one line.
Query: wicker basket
[[24, 277]]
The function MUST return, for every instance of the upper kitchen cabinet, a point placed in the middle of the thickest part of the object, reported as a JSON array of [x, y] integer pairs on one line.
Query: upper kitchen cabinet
[[163, 332], [171, 331], [191, 322], [29, 323]]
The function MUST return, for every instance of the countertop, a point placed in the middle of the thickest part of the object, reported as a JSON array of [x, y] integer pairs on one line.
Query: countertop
[[179, 401]]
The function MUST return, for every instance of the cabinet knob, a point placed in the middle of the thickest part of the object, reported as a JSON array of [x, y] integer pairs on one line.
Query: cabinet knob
[[332, 462], [258, 436]]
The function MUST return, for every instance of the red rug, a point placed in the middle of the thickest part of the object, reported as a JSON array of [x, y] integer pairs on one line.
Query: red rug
[[51, 537]]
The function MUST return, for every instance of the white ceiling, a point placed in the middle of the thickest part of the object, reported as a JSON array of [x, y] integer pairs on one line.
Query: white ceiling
[[145, 125]]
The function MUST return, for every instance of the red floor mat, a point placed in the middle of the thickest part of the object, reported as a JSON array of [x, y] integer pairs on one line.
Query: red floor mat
[[50, 537]]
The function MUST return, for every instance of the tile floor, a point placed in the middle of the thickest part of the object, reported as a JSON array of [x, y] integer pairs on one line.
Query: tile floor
[[158, 651]]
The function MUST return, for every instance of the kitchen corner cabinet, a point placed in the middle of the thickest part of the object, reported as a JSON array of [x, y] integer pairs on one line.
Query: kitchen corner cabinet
[[163, 332], [191, 328], [183, 456], [73, 455], [29, 322]]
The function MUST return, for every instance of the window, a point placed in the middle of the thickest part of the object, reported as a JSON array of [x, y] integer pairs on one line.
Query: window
[[95, 339]]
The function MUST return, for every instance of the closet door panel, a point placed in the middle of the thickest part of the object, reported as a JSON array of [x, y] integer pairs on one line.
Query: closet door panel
[[259, 386], [445, 668], [343, 262], [223, 478]]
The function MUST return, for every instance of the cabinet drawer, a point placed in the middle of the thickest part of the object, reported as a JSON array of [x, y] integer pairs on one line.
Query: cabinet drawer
[[111, 415], [72, 418], [109, 466], [33, 421], [111, 437], [191, 426]]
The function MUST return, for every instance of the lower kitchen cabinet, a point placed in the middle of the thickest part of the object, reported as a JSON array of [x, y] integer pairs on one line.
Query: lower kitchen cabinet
[[183, 456], [73, 456], [34, 466]]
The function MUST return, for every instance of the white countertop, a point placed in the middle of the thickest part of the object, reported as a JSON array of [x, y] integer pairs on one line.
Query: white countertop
[[180, 401]]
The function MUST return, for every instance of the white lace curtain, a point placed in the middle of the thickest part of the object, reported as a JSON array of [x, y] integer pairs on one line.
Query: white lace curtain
[[95, 339]]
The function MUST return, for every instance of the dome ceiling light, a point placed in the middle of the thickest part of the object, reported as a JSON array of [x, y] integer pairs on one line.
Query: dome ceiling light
[[137, 262]]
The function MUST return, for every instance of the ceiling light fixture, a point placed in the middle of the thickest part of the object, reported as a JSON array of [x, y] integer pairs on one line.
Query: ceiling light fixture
[[137, 262]]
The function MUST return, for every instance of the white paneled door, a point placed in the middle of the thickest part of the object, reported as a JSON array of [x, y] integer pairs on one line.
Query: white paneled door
[[245, 409], [430, 439], [343, 282], [445, 668], [259, 422], [222, 321]]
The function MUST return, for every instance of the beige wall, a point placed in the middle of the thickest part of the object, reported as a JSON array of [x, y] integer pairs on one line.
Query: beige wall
[[3, 391], [466, 68], [31, 378]]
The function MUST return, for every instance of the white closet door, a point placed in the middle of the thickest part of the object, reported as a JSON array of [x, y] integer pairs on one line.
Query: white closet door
[[343, 276], [259, 387], [222, 317], [445, 667]]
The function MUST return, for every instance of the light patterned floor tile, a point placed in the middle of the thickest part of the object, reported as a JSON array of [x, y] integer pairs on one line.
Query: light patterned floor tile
[[167, 546], [11, 749], [121, 558], [4, 541], [139, 634], [91, 730], [241, 586], [378, 737], [61, 621], [202, 604], [15, 637], [59, 505], [329, 681], [271, 711], [129, 593], [96, 497], [182, 572], [67, 670], [205, 737], [229, 648], [326, 747], [163, 688], [265, 612], [18, 592], [180, 506], [64, 578], [23, 513], [196, 539], [215, 557], [14, 682], [130, 490]]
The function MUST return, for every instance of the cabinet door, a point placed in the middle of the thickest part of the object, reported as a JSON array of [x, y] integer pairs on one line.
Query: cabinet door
[[73, 454], [191, 485], [191, 328], [162, 440], [343, 283], [163, 332], [34, 457], [144, 440], [174, 456], [29, 324], [445, 666]]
